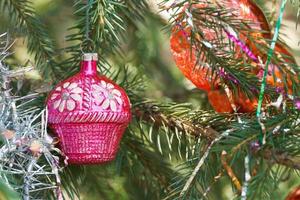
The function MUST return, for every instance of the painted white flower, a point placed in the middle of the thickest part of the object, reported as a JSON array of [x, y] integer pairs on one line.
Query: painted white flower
[[66, 96], [106, 95]]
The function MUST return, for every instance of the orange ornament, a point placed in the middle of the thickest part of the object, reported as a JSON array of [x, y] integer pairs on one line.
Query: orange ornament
[[245, 105], [294, 195], [251, 13], [185, 55], [219, 101], [180, 47], [277, 76], [185, 58], [248, 10], [179, 39], [194, 67], [255, 21]]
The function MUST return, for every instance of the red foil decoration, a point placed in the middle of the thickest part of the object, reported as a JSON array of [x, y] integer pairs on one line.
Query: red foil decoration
[[198, 72], [185, 55], [186, 59], [252, 14], [278, 76], [220, 102], [294, 194], [89, 113]]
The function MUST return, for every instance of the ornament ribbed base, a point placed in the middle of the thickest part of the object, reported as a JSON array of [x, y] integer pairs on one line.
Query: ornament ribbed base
[[91, 143]]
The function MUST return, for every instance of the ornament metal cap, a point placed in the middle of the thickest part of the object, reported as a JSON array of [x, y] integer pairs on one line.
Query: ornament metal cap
[[90, 57]]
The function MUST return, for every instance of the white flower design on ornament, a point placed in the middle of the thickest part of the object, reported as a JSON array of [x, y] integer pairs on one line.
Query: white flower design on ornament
[[66, 96], [106, 95]]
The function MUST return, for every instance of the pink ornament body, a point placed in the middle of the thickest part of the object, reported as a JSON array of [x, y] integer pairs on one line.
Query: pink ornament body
[[89, 113]]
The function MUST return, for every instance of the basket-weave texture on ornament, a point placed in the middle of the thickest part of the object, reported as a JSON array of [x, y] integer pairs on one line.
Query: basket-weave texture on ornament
[[89, 113]]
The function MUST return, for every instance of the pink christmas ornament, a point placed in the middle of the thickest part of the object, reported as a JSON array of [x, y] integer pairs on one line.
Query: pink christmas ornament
[[89, 113]]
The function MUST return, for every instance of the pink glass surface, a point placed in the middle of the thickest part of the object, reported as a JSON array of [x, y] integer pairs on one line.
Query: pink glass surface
[[89, 113]]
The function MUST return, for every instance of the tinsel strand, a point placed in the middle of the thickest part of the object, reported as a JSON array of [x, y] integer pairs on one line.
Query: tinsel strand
[[270, 53]]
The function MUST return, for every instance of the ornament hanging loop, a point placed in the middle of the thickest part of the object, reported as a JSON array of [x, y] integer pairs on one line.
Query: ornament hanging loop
[[87, 45]]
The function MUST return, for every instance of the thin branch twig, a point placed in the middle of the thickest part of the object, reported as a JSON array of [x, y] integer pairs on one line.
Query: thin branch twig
[[230, 172], [160, 118]]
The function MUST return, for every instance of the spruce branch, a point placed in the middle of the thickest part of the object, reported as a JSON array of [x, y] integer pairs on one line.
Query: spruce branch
[[281, 158], [230, 172], [187, 186], [106, 29], [162, 173], [161, 116], [24, 17], [237, 142], [155, 173], [151, 113], [107, 26], [265, 183]]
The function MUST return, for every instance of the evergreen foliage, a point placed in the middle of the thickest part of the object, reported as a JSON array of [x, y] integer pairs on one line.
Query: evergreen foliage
[[172, 149]]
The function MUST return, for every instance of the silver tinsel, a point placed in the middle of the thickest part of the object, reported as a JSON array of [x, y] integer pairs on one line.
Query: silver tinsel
[[29, 161]]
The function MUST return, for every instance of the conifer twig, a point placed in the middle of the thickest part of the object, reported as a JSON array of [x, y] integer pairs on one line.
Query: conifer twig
[[39, 42], [201, 162], [160, 119], [281, 158], [230, 172]]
